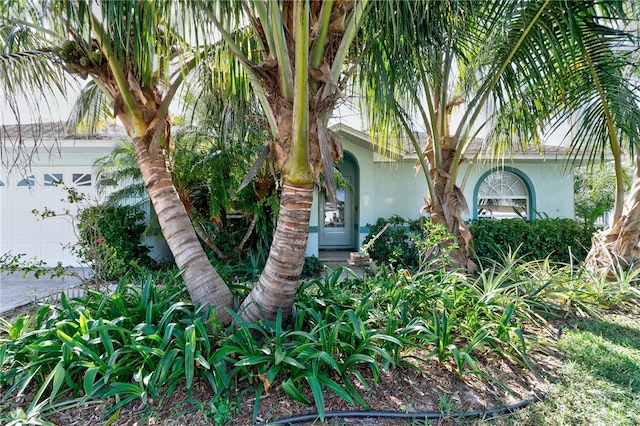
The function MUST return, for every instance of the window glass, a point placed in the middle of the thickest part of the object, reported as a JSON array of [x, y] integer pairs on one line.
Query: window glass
[[82, 179], [28, 181], [334, 214], [503, 195], [52, 179]]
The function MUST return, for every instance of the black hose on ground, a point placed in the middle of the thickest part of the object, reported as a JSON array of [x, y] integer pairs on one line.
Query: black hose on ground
[[430, 415]]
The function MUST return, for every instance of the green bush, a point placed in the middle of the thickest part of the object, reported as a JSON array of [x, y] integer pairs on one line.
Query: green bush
[[396, 244], [110, 239], [410, 244], [560, 239], [312, 265]]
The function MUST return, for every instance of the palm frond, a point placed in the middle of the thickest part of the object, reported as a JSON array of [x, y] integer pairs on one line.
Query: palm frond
[[30, 74], [91, 111]]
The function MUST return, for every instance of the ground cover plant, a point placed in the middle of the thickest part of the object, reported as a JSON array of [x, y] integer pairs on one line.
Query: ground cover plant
[[142, 344]]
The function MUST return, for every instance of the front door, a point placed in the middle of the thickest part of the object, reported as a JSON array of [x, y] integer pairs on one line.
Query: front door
[[336, 221]]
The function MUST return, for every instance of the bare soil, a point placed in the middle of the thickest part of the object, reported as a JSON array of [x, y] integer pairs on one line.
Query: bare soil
[[425, 387]]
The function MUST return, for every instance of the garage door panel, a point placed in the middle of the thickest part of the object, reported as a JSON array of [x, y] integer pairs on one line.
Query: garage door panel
[[27, 248], [55, 228], [53, 252], [24, 228], [22, 232]]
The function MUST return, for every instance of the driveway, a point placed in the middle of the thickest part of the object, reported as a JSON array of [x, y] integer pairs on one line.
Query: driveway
[[17, 289]]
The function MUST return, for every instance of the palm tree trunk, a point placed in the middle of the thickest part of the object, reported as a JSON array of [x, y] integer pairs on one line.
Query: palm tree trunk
[[449, 215], [279, 280], [204, 284], [620, 243], [446, 210]]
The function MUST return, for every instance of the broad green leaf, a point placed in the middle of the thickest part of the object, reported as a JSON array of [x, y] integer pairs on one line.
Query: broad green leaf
[[290, 388], [336, 388], [58, 374], [279, 355], [89, 382], [293, 362], [203, 362], [253, 360], [318, 396]]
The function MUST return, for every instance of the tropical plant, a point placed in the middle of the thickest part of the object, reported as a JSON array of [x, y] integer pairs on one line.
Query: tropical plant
[[118, 176], [141, 342], [595, 191], [136, 58], [516, 67], [206, 172], [136, 343], [611, 118], [292, 53]]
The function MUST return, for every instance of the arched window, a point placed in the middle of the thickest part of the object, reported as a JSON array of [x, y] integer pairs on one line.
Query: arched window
[[502, 194]]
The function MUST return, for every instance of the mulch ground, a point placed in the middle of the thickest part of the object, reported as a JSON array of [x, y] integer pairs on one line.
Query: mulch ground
[[427, 387]]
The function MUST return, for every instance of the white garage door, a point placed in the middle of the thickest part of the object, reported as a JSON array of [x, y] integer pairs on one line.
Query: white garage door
[[21, 231]]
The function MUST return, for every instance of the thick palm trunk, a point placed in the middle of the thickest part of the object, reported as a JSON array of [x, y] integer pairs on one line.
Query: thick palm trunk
[[279, 280], [446, 208], [202, 281], [620, 243], [447, 212]]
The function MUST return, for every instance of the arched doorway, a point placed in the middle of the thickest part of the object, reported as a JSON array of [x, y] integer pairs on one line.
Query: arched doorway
[[338, 223]]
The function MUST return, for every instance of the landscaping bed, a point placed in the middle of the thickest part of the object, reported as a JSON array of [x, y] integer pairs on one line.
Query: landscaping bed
[[431, 342]]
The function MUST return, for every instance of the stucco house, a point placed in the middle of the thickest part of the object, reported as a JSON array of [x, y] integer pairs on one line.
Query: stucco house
[[379, 186], [382, 186]]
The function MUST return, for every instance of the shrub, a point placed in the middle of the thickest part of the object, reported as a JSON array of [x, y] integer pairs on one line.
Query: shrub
[[409, 244], [560, 239], [395, 245], [312, 265], [110, 239]]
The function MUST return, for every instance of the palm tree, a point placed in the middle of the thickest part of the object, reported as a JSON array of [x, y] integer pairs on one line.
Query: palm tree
[[600, 98], [207, 171], [130, 49], [134, 54], [511, 67], [293, 54], [614, 120]]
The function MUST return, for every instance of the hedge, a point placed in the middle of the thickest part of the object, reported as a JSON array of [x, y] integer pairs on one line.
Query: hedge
[[559, 239]]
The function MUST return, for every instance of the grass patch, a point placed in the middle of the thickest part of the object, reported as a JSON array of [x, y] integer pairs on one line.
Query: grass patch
[[600, 379]]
